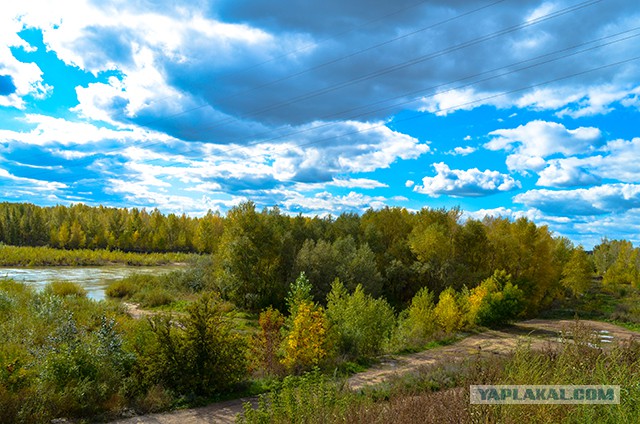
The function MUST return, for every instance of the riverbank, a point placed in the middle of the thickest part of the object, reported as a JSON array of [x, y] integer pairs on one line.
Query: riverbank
[[23, 256], [93, 279]]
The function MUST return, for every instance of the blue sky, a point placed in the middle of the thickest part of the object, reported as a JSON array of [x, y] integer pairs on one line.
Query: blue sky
[[513, 108]]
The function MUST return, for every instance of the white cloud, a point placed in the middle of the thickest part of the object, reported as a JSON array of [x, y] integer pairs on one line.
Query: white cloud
[[463, 151], [343, 147], [617, 160], [26, 77], [364, 183], [139, 194], [566, 173], [599, 100], [409, 183], [31, 183], [541, 139], [461, 183], [325, 202], [49, 130], [597, 200]]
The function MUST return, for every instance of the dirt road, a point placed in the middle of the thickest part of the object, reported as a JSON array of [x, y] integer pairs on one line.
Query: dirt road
[[493, 342]]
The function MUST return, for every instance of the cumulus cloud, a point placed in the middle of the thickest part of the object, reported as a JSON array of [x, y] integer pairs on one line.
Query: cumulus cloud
[[530, 145], [597, 200], [465, 183], [541, 139], [364, 183], [616, 160], [48, 130], [566, 173], [32, 183], [285, 66], [462, 151], [325, 202]]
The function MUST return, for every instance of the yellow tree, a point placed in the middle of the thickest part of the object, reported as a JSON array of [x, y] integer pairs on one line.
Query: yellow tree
[[306, 343], [447, 311]]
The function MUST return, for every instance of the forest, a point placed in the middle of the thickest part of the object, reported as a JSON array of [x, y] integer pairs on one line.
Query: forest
[[391, 252], [270, 296]]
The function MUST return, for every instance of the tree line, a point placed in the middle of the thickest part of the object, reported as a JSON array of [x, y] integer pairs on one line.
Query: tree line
[[131, 230], [391, 252]]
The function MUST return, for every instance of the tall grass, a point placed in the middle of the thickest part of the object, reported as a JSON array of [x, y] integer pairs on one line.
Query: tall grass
[[158, 290], [47, 256]]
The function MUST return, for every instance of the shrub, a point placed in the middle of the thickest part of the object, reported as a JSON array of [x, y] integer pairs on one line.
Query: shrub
[[122, 289], [197, 354], [268, 340], [362, 324], [154, 297], [65, 288], [496, 300], [417, 323], [310, 398]]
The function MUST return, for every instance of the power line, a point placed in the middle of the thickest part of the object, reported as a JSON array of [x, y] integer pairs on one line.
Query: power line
[[281, 56], [433, 88], [629, 35], [573, 8], [484, 99], [459, 106], [307, 47], [412, 62], [461, 15], [420, 59]]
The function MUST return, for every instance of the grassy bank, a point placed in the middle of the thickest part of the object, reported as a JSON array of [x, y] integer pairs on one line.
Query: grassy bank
[[46, 256]]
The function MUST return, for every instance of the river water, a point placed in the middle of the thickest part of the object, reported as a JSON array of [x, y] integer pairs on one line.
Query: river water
[[94, 279]]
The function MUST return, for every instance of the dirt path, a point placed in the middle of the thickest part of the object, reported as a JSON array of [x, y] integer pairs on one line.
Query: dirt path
[[134, 310], [493, 342], [537, 332], [220, 412]]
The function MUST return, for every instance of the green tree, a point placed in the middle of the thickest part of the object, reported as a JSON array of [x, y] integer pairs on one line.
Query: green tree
[[201, 355], [362, 324], [250, 270], [578, 272], [625, 269], [417, 324]]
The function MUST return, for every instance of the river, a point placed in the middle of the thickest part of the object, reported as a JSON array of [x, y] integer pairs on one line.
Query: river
[[94, 279]]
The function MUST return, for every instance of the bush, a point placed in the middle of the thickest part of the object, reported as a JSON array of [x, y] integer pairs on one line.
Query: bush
[[197, 354], [122, 289], [310, 398], [60, 356], [65, 288], [266, 343], [495, 301], [417, 324], [154, 297], [362, 325]]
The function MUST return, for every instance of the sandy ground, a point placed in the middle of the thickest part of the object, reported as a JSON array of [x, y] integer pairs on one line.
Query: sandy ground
[[538, 332]]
